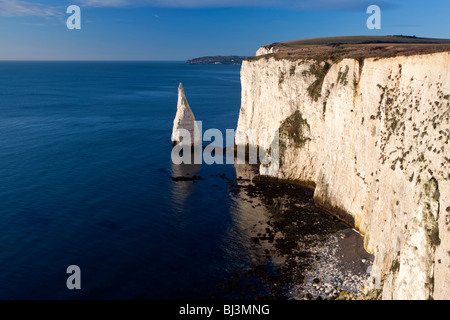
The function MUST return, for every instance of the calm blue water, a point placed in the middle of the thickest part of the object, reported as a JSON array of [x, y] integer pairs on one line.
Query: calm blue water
[[85, 179]]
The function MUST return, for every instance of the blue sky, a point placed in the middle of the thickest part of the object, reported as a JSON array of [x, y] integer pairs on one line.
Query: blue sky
[[184, 29]]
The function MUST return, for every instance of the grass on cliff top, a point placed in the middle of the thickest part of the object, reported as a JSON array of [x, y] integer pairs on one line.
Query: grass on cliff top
[[337, 48], [363, 40]]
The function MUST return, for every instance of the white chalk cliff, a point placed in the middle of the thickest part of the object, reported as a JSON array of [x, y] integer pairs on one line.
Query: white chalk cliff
[[372, 137], [184, 122]]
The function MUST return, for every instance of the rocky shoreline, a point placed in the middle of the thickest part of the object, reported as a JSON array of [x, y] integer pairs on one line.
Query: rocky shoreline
[[299, 251], [309, 254], [340, 269]]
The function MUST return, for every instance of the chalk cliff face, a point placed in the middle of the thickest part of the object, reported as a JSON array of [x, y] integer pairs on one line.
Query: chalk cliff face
[[265, 50], [372, 136]]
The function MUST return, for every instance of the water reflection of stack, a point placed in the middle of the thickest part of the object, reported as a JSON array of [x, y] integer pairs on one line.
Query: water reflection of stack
[[250, 216], [183, 178]]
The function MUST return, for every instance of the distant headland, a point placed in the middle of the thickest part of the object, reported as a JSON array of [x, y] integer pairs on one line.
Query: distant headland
[[230, 60]]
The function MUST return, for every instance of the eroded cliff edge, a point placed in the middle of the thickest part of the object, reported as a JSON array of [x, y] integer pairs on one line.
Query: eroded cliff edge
[[371, 135]]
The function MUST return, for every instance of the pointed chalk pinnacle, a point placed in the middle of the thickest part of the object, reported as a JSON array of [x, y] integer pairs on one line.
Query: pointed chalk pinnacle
[[184, 121]]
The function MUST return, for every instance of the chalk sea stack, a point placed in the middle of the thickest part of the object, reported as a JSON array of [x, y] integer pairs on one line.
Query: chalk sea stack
[[184, 121]]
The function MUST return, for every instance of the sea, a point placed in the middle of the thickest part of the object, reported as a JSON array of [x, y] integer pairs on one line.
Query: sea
[[93, 208], [86, 180]]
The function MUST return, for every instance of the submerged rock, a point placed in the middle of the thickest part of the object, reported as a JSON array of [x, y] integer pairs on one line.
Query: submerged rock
[[185, 130]]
